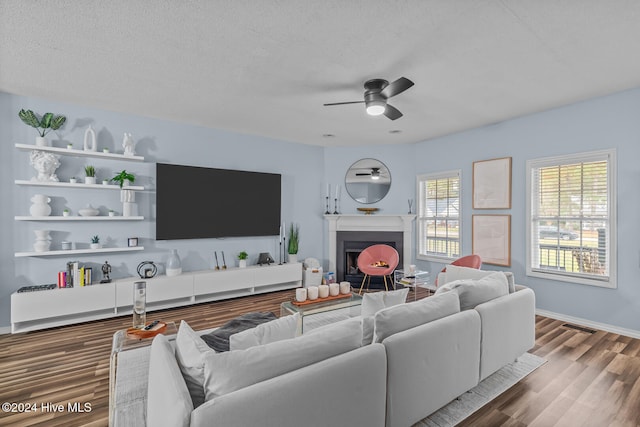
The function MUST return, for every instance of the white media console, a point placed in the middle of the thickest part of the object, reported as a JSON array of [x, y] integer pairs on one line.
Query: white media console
[[45, 309]]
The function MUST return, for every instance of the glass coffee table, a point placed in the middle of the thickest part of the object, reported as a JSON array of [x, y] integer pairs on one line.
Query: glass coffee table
[[351, 304]]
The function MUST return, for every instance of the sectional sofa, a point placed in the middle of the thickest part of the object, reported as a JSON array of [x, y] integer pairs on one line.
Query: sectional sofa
[[421, 356]]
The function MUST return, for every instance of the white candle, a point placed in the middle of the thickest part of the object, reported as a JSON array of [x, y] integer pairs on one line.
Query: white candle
[[345, 288], [337, 190], [328, 189], [323, 291], [301, 294], [284, 230], [334, 289], [312, 292], [280, 234]]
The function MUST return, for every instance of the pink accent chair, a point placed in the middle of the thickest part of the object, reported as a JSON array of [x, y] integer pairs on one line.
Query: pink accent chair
[[471, 261], [374, 254]]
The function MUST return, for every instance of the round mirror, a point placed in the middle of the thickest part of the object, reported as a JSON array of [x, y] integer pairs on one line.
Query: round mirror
[[367, 181]]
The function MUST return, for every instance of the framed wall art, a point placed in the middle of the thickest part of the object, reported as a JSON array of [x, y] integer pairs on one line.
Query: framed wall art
[[491, 238], [492, 184]]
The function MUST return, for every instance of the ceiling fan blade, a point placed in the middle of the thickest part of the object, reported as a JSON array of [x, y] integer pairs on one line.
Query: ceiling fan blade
[[343, 103], [363, 174], [392, 112], [396, 87]]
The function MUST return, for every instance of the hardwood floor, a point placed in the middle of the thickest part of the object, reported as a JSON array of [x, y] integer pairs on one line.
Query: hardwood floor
[[589, 379]]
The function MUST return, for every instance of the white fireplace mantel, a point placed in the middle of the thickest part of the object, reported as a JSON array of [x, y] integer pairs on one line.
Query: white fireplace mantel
[[401, 223]]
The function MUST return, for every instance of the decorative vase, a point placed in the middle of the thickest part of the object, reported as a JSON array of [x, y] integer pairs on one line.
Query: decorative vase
[[128, 198], [139, 304], [95, 245], [40, 206], [174, 266], [43, 241], [242, 263], [293, 258], [90, 140], [41, 141]]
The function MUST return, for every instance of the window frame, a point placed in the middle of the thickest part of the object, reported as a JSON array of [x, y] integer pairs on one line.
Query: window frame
[[534, 164], [454, 173]]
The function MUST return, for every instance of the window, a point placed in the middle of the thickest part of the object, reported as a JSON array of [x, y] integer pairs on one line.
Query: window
[[571, 224], [439, 216]]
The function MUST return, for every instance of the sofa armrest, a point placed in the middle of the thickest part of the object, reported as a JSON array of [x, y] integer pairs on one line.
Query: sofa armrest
[[508, 329], [345, 390], [430, 365]]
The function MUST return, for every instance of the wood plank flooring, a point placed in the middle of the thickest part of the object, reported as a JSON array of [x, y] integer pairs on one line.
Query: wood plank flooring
[[589, 379]]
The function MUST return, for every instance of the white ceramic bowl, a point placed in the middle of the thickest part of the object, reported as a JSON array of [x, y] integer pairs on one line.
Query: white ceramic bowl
[[88, 212]]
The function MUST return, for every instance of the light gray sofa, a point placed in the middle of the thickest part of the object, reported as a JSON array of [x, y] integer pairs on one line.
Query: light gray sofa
[[400, 379]]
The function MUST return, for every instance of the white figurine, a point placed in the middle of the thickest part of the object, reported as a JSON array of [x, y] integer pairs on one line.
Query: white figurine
[[127, 144], [45, 164]]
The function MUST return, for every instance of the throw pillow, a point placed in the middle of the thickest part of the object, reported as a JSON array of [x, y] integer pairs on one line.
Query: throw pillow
[[275, 330], [234, 370], [219, 339], [474, 292], [375, 301], [168, 399], [401, 317], [190, 349], [455, 272]]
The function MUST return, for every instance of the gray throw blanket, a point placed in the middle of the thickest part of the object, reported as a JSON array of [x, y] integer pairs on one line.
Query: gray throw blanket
[[219, 339]]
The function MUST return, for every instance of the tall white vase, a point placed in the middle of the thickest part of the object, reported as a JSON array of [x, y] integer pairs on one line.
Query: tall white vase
[[43, 241], [128, 198]]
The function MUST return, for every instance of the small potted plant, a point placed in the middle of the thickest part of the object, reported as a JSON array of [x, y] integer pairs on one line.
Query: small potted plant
[[46, 124], [90, 171], [73, 180], [95, 242], [124, 178], [66, 212], [112, 212], [105, 182], [105, 150], [69, 146], [294, 235], [242, 259]]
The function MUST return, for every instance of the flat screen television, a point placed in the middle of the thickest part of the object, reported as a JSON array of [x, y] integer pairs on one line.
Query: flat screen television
[[196, 203]]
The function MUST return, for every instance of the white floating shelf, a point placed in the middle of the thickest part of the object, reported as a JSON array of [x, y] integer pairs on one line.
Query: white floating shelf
[[79, 218], [77, 185], [77, 251], [80, 153]]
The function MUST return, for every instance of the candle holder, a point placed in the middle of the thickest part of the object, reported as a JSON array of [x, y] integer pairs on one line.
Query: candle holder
[[284, 248], [335, 212], [410, 205], [327, 202], [280, 252]]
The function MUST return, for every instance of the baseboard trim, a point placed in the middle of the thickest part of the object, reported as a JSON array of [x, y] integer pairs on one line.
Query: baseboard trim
[[596, 325], [5, 330]]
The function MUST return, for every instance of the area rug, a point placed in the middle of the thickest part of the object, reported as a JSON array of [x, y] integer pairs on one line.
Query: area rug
[[465, 405], [490, 388]]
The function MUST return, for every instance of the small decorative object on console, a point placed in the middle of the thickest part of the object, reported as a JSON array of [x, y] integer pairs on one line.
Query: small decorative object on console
[[106, 271], [36, 288], [368, 211], [265, 258], [139, 304], [147, 269], [174, 266], [242, 259]]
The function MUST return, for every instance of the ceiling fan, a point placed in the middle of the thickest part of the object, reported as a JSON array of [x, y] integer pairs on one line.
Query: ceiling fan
[[376, 93], [374, 173]]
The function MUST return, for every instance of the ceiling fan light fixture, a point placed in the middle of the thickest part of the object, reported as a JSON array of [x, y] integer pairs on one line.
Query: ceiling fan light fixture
[[375, 108], [375, 174]]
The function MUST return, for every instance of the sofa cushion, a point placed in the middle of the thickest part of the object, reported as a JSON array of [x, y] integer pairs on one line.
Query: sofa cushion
[[375, 301], [237, 369], [275, 330], [367, 330], [455, 272], [168, 399], [401, 317], [474, 292], [190, 349]]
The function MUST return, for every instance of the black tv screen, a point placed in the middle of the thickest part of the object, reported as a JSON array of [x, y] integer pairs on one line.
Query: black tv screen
[[195, 203]]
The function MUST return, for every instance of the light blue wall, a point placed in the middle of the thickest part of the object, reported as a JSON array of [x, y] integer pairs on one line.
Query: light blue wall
[[602, 123], [159, 141]]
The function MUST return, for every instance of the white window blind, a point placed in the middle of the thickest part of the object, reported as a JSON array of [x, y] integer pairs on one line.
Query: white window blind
[[571, 222], [438, 216]]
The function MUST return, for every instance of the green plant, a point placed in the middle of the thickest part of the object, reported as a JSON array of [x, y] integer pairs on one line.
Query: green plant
[[45, 125], [243, 255], [294, 234], [95, 239], [123, 176], [90, 170]]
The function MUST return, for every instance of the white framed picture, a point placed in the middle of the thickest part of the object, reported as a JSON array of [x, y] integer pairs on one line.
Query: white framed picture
[[491, 238], [492, 184]]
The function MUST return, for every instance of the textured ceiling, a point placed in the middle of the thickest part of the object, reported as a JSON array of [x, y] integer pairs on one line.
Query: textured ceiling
[[265, 67]]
